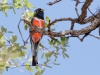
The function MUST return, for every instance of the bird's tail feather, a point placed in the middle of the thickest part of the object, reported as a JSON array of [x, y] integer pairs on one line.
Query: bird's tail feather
[[35, 53]]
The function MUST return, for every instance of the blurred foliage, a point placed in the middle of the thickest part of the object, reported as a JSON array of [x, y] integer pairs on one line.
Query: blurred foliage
[[13, 54]]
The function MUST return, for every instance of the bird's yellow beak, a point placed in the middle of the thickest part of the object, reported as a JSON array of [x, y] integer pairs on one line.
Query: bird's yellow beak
[[42, 10]]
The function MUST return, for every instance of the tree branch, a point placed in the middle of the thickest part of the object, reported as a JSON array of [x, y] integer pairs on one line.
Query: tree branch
[[84, 10], [51, 3], [82, 31]]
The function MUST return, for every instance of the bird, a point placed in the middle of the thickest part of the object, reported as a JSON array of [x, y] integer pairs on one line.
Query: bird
[[38, 21]]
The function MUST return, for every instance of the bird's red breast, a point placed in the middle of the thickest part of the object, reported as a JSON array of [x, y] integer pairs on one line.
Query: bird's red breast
[[40, 24]]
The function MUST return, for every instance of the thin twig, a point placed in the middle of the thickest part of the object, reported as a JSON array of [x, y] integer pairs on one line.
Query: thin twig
[[26, 41], [92, 13], [81, 39], [95, 36], [77, 11], [6, 39], [20, 30], [49, 30], [72, 26], [77, 2], [63, 19], [51, 3], [44, 48]]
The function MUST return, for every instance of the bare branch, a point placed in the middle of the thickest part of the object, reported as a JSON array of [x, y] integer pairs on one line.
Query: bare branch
[[64, 19], [95, 36], [84, 10], [76, 11], [72, 25], [77, 2], [20, 31], [91, 12], [49, 30], [95, 23], [81, 39], [82, 31]]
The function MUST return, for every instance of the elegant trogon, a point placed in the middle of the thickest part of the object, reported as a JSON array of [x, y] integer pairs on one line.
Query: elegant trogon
[[37, 20]]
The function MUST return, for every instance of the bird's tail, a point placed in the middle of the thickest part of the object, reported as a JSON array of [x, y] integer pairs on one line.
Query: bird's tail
[[34, 48], [34, 61]]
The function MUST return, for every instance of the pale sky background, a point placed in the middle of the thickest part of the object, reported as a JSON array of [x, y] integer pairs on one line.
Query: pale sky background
[[84, 57]]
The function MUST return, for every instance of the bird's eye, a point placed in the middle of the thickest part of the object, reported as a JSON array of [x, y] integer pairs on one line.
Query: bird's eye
[[39, 9]]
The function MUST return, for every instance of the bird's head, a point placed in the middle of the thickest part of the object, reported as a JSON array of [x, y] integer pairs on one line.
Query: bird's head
[[39, 13]]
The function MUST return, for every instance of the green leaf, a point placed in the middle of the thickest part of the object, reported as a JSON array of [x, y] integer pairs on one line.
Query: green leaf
[[28, 47], [66, 39], [42, 55], [22, 53], [17, 5], [47, 55], [9, 49], [10, 32], [38, 69], [2, 42], [42, 71], [14, 38], [56, 47], [14, 11], [3, 29], [50, 42], [4, 1], [46, 62], [6, 68], [27, 66], [23, 47], [62, 38], [56, 64], [1, 35], [5, 13], [66, 55], [63, 50], [48, 66], [63, 56], [4, 51], [29, 5], [14, 1], [18, 1], [26, 27], [2, 65], [0, 45], [30, 14], [37, 73], [55, 55], [47, 19]]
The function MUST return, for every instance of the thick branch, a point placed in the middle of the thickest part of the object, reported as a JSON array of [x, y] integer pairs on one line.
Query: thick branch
[[82, 31], [95, 23], [84, 10]]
